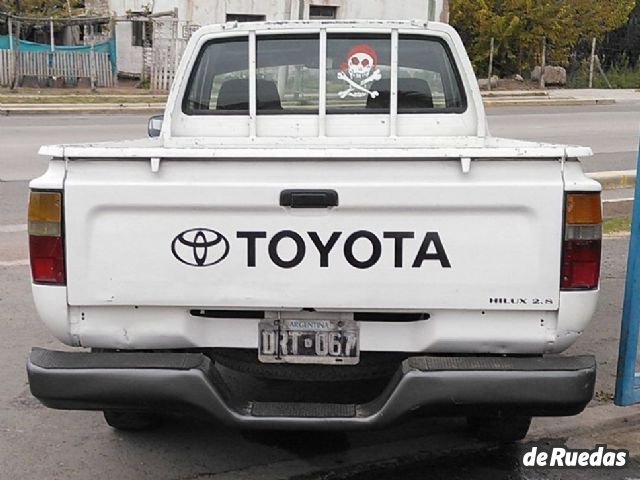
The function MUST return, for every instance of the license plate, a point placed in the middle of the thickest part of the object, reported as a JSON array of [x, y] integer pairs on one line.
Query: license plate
[[325, 341]]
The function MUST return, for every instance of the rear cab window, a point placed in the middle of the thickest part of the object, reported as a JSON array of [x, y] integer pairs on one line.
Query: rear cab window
[[357, 76]]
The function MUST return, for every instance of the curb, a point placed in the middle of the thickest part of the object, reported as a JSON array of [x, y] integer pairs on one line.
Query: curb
[[94, 108], [514, 93], [615, 179], [37, 97], [617, 208], [540, 102]]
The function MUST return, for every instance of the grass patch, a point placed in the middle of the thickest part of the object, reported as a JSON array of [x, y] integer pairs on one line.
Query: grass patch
[[616, 225], [620, 75]]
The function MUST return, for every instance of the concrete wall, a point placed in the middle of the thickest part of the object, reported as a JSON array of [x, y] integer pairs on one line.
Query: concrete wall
[[129, 57], [383, 9], [215, 12], [273, 9]]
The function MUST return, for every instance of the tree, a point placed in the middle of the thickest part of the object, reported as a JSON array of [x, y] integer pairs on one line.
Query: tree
[[40, 11], [623, 44], [518, 27], [42, 8]]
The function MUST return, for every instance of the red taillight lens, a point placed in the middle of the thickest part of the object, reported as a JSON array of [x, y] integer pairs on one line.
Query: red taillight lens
[[46, 245], [582, 244], [47, 259], [581, 264]]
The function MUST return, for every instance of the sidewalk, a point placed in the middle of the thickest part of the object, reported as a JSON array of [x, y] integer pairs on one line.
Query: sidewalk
[[557, 97], [619, 95], [55, 101], [619, 427]]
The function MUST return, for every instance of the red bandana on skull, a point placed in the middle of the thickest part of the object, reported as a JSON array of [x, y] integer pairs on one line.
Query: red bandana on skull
[[361, 60]]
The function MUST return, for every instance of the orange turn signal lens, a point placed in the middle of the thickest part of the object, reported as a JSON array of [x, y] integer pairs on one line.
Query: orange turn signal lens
[[45, 213], [584, 209]]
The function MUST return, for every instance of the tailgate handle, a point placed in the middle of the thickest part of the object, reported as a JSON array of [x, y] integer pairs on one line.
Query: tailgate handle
[[309, 198]]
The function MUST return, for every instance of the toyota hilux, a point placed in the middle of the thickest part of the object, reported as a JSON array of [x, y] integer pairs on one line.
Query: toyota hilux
[[319, 233]]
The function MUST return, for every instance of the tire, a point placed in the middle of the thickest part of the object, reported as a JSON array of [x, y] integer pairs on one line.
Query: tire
[[131, 421], [507, 429]]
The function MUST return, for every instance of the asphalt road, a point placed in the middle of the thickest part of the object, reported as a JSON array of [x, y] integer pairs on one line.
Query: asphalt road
[[36, 442], [22, 135], [611, 130]]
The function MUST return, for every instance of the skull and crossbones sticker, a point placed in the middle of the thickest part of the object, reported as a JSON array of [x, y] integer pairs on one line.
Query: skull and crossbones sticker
[[359, 70]]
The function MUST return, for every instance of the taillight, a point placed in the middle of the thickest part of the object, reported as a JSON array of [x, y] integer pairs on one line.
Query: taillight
[[582, 244], [46, 243]]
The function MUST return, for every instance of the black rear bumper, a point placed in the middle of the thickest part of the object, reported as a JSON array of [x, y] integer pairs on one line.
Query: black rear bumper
[[188, 382]]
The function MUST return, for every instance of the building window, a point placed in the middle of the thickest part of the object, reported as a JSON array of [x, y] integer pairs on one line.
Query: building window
[[141, 33], [241, 17], [320, 12]]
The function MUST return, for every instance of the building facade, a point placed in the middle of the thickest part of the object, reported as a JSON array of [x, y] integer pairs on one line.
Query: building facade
[[133, 28]]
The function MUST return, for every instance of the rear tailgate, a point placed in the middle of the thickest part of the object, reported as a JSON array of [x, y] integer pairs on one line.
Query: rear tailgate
[[406, 234]]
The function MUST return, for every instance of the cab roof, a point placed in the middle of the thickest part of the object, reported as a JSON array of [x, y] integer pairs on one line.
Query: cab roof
[[316, 24]]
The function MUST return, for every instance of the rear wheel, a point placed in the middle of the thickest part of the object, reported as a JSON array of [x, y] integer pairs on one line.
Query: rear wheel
[[132, 421], [501, 429]]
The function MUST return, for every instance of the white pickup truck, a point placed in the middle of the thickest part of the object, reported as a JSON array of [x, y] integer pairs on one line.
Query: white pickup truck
[[324, 214]]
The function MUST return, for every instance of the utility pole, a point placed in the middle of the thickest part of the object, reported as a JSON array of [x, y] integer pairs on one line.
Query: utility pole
[[592, 62], [51, 36], [604, 75], [12, 61], [543, 62], [490, 74], [16, 56], [52, 46], [92, 65]]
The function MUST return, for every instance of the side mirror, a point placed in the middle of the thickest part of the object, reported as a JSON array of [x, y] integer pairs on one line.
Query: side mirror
[[155, 125]]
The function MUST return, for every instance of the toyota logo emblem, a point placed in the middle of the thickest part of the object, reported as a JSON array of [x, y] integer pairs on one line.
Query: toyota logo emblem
[[200, 247]]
